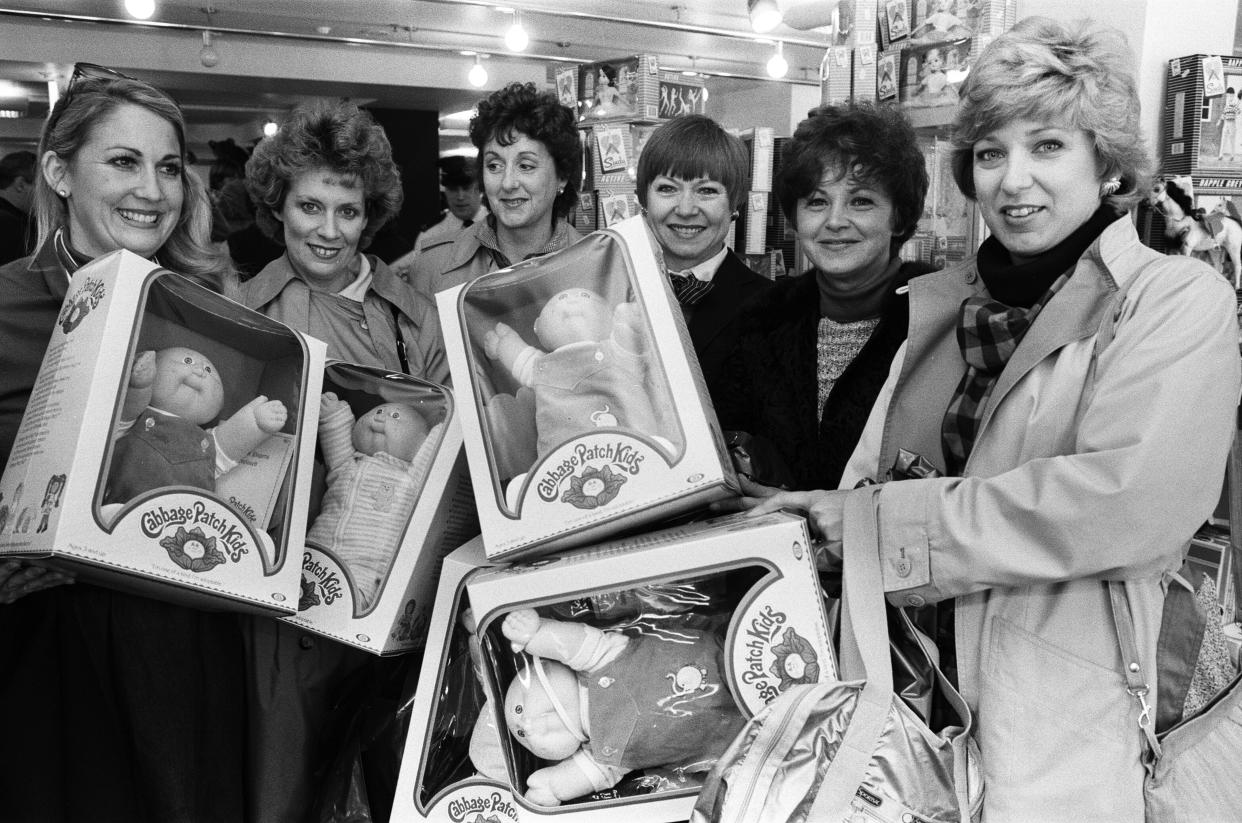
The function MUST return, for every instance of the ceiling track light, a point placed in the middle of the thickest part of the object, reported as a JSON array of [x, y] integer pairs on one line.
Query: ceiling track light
[[477, 75], [765, 15], [140, 9], [516, 38], [208, 55], [270, 128], [778, 66]]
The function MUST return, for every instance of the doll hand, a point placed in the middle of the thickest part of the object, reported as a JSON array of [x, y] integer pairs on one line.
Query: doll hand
[[328, 403], [143, 373], [270, 415], [628, 328], [539, 791], [520, 626], [495, 339]]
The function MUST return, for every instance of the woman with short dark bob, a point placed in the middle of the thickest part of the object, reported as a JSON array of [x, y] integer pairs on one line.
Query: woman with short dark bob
[[530, 157], [692, 176], [813, 353], [322, 187], [1077, 392]]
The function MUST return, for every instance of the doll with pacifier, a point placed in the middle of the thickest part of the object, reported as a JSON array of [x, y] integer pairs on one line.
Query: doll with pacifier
[[172, 393], [376, 466], [590, 373], [600, 704]]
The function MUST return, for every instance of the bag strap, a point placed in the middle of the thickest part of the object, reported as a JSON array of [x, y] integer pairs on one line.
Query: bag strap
[[1136, 682], [865, 626]]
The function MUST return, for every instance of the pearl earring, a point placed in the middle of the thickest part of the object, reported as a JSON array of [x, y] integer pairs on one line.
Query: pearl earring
[[63, 192]]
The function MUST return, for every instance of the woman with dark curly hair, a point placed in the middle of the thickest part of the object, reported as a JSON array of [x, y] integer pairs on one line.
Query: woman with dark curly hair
[[323, 186], [529, 160], [814, 351]]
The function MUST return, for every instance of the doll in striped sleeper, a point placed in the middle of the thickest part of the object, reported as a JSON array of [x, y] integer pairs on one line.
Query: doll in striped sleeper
[[376, 467]]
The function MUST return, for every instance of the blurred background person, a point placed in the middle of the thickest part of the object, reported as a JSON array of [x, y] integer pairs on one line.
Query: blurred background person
[[459, 184], [814, 351], [119, 705], [692, 176], [17, 183], [322, 187], [530, 156]]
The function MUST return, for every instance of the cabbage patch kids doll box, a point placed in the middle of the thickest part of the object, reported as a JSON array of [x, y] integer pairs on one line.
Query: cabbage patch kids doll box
[[397, 500], [167, 444], [602, 683], [582, 403]]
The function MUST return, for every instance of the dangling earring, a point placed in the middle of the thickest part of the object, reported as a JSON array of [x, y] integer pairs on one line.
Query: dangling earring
[[1110, 187]]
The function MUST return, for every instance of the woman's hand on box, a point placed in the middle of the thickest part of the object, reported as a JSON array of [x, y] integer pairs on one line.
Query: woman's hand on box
[[19, 578], [823, 510]]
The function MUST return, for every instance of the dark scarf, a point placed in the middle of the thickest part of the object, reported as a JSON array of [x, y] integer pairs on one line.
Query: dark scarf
[[991, 326]]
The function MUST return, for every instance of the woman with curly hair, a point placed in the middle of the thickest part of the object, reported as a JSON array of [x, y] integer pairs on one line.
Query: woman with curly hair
[[323, 186], [529, 159], [813, 351], [1076, 392]]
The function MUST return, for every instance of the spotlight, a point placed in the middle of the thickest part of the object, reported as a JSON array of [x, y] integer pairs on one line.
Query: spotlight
[[765, 15], [478, 74], [270, 128], [142, 9], [516, 38], [208, 55], [778, 66]]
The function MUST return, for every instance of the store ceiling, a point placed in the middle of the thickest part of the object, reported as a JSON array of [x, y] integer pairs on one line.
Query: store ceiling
[[713, 36]]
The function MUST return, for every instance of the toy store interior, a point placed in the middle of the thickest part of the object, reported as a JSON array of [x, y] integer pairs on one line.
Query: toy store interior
[[896, 477]]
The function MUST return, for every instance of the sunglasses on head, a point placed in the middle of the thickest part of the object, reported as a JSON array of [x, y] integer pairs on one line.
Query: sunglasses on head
[[92, 71]]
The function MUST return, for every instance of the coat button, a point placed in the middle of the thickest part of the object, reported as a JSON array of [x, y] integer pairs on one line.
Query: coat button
[[903, 567], [609, 751], [915, 600], [971, 276], [364, 325]]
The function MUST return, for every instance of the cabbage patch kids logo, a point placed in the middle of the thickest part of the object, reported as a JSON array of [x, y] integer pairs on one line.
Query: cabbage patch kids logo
[[592, 474], [320, 583], [495, 807], [793, 658], [79, 304], [197, 538]]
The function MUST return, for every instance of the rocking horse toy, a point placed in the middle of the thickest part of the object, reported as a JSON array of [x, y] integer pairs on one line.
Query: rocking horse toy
[[1210, 237]]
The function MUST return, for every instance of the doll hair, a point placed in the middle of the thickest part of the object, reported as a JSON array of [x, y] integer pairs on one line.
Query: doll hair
[[1073, 74], [694, 146], [336, 135], [521, 110]]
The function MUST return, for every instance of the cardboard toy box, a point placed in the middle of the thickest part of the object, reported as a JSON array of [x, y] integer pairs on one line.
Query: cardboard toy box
[[145, 507], [1201, 118], [377, 536], [629, 88], [612, 428], [746, 585]]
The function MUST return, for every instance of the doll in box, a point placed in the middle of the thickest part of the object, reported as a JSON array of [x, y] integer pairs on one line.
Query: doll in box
[[171, 395], [600, 704], [375, 470], [593, 372]]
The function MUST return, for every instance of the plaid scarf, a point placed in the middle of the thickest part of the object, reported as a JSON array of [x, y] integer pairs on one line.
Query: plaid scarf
[[988, 333]]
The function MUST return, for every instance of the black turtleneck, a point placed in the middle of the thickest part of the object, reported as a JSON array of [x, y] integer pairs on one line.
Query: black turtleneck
[[1021, 284]]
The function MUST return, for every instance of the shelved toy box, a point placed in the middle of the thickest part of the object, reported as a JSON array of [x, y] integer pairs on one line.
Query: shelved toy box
[[1201, 116], [397, 501], [202, 506], [583, 407], [726, 613]]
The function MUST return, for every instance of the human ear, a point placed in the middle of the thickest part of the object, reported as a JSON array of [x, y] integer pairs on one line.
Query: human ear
[[55, 169]]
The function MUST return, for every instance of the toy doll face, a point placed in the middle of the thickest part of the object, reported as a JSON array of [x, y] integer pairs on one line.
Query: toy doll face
[[532, 719], [394, 428], [933, 61], [187, 384], [573, 316]]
